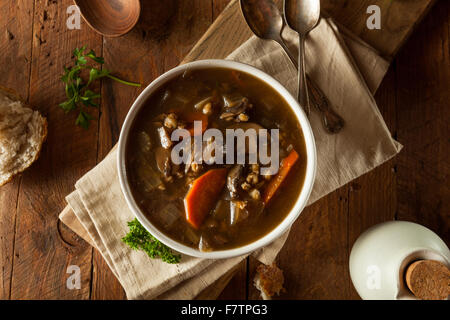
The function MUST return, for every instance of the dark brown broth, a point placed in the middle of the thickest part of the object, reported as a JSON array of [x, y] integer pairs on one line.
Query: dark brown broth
[[270, 110]]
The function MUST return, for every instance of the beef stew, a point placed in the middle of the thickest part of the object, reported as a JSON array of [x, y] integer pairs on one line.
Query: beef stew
[[209, 205]]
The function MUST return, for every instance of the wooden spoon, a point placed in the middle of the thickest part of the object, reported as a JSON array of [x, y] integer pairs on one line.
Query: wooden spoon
[[111, 18]]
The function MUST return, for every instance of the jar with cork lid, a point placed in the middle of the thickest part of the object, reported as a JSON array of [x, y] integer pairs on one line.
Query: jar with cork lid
[[399, 260]]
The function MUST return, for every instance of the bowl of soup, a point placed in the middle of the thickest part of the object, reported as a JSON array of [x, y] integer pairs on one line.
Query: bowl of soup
[[216, 159]]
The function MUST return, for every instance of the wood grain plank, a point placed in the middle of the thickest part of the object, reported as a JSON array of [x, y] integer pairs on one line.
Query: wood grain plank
[[218, 7], [218, 289], [373, 197], [314, 257], [234, 287], [15, 45], [226, 34], [398, 19], [43, 249], [423, 77], [166, 32]]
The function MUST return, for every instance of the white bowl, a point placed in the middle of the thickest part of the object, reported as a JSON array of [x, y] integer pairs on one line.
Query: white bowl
[[310, 166]]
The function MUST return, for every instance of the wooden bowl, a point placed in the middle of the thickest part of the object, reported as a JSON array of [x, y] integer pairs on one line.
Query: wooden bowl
[[111, 18]]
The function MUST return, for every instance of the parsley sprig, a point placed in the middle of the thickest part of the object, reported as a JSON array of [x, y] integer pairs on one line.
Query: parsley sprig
[[140, 239], [79, 96]]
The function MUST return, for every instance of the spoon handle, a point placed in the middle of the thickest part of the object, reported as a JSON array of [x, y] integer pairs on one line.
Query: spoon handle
[[303, 97], [332, 121], [288, 52]]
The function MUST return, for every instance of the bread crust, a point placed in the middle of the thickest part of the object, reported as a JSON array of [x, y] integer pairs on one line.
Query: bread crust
[[13, 95], [269, 280]]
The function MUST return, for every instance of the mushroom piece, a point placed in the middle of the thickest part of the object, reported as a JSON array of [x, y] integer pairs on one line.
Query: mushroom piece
[[233, 108], [233, 179], [162, 157], [238, 211], [232, 100]]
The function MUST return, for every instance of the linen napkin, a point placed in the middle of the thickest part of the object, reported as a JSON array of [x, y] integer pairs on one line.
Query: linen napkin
[[99, 213]]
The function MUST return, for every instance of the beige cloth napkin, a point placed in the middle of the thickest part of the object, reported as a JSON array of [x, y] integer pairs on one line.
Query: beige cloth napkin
[[102, 213]]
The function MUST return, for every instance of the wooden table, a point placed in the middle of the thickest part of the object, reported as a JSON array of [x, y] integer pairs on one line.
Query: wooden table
[[36, 249]]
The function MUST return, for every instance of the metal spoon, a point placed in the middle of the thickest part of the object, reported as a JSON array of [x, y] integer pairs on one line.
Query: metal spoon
[[302, 16], [332, 122], [267, 22]]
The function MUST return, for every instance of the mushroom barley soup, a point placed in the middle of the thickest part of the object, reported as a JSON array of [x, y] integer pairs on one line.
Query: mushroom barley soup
[[206, 205]]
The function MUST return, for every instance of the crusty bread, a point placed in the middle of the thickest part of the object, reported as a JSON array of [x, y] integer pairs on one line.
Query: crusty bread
[[269, 280], [22, 133]]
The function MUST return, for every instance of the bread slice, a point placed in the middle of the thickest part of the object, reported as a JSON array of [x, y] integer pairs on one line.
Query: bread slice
[[22, 133], [269, 280]]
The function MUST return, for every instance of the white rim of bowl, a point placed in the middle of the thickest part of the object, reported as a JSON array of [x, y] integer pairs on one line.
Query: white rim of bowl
[[293, 214]]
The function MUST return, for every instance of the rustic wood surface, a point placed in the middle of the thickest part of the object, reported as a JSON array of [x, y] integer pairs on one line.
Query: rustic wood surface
[[35, 249]]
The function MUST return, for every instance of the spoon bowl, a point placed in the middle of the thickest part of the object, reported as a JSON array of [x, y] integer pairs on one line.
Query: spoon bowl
[[302, 15], [111, 18], [263, 18]]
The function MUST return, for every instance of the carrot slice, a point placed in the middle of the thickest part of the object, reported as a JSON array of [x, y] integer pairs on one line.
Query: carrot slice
[[274, 184], [203, 194]]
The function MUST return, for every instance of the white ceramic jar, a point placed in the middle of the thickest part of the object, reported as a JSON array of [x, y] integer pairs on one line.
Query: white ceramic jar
[[379, 258]]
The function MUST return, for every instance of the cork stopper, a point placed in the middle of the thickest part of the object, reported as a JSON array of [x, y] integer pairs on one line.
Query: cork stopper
[[428, 280]]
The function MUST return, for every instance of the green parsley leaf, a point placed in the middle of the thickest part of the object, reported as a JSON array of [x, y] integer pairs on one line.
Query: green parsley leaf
[[68, 105], [77, 91], [88, 97], [92, 55], [83, 119], [95, 74], [138, 238]]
